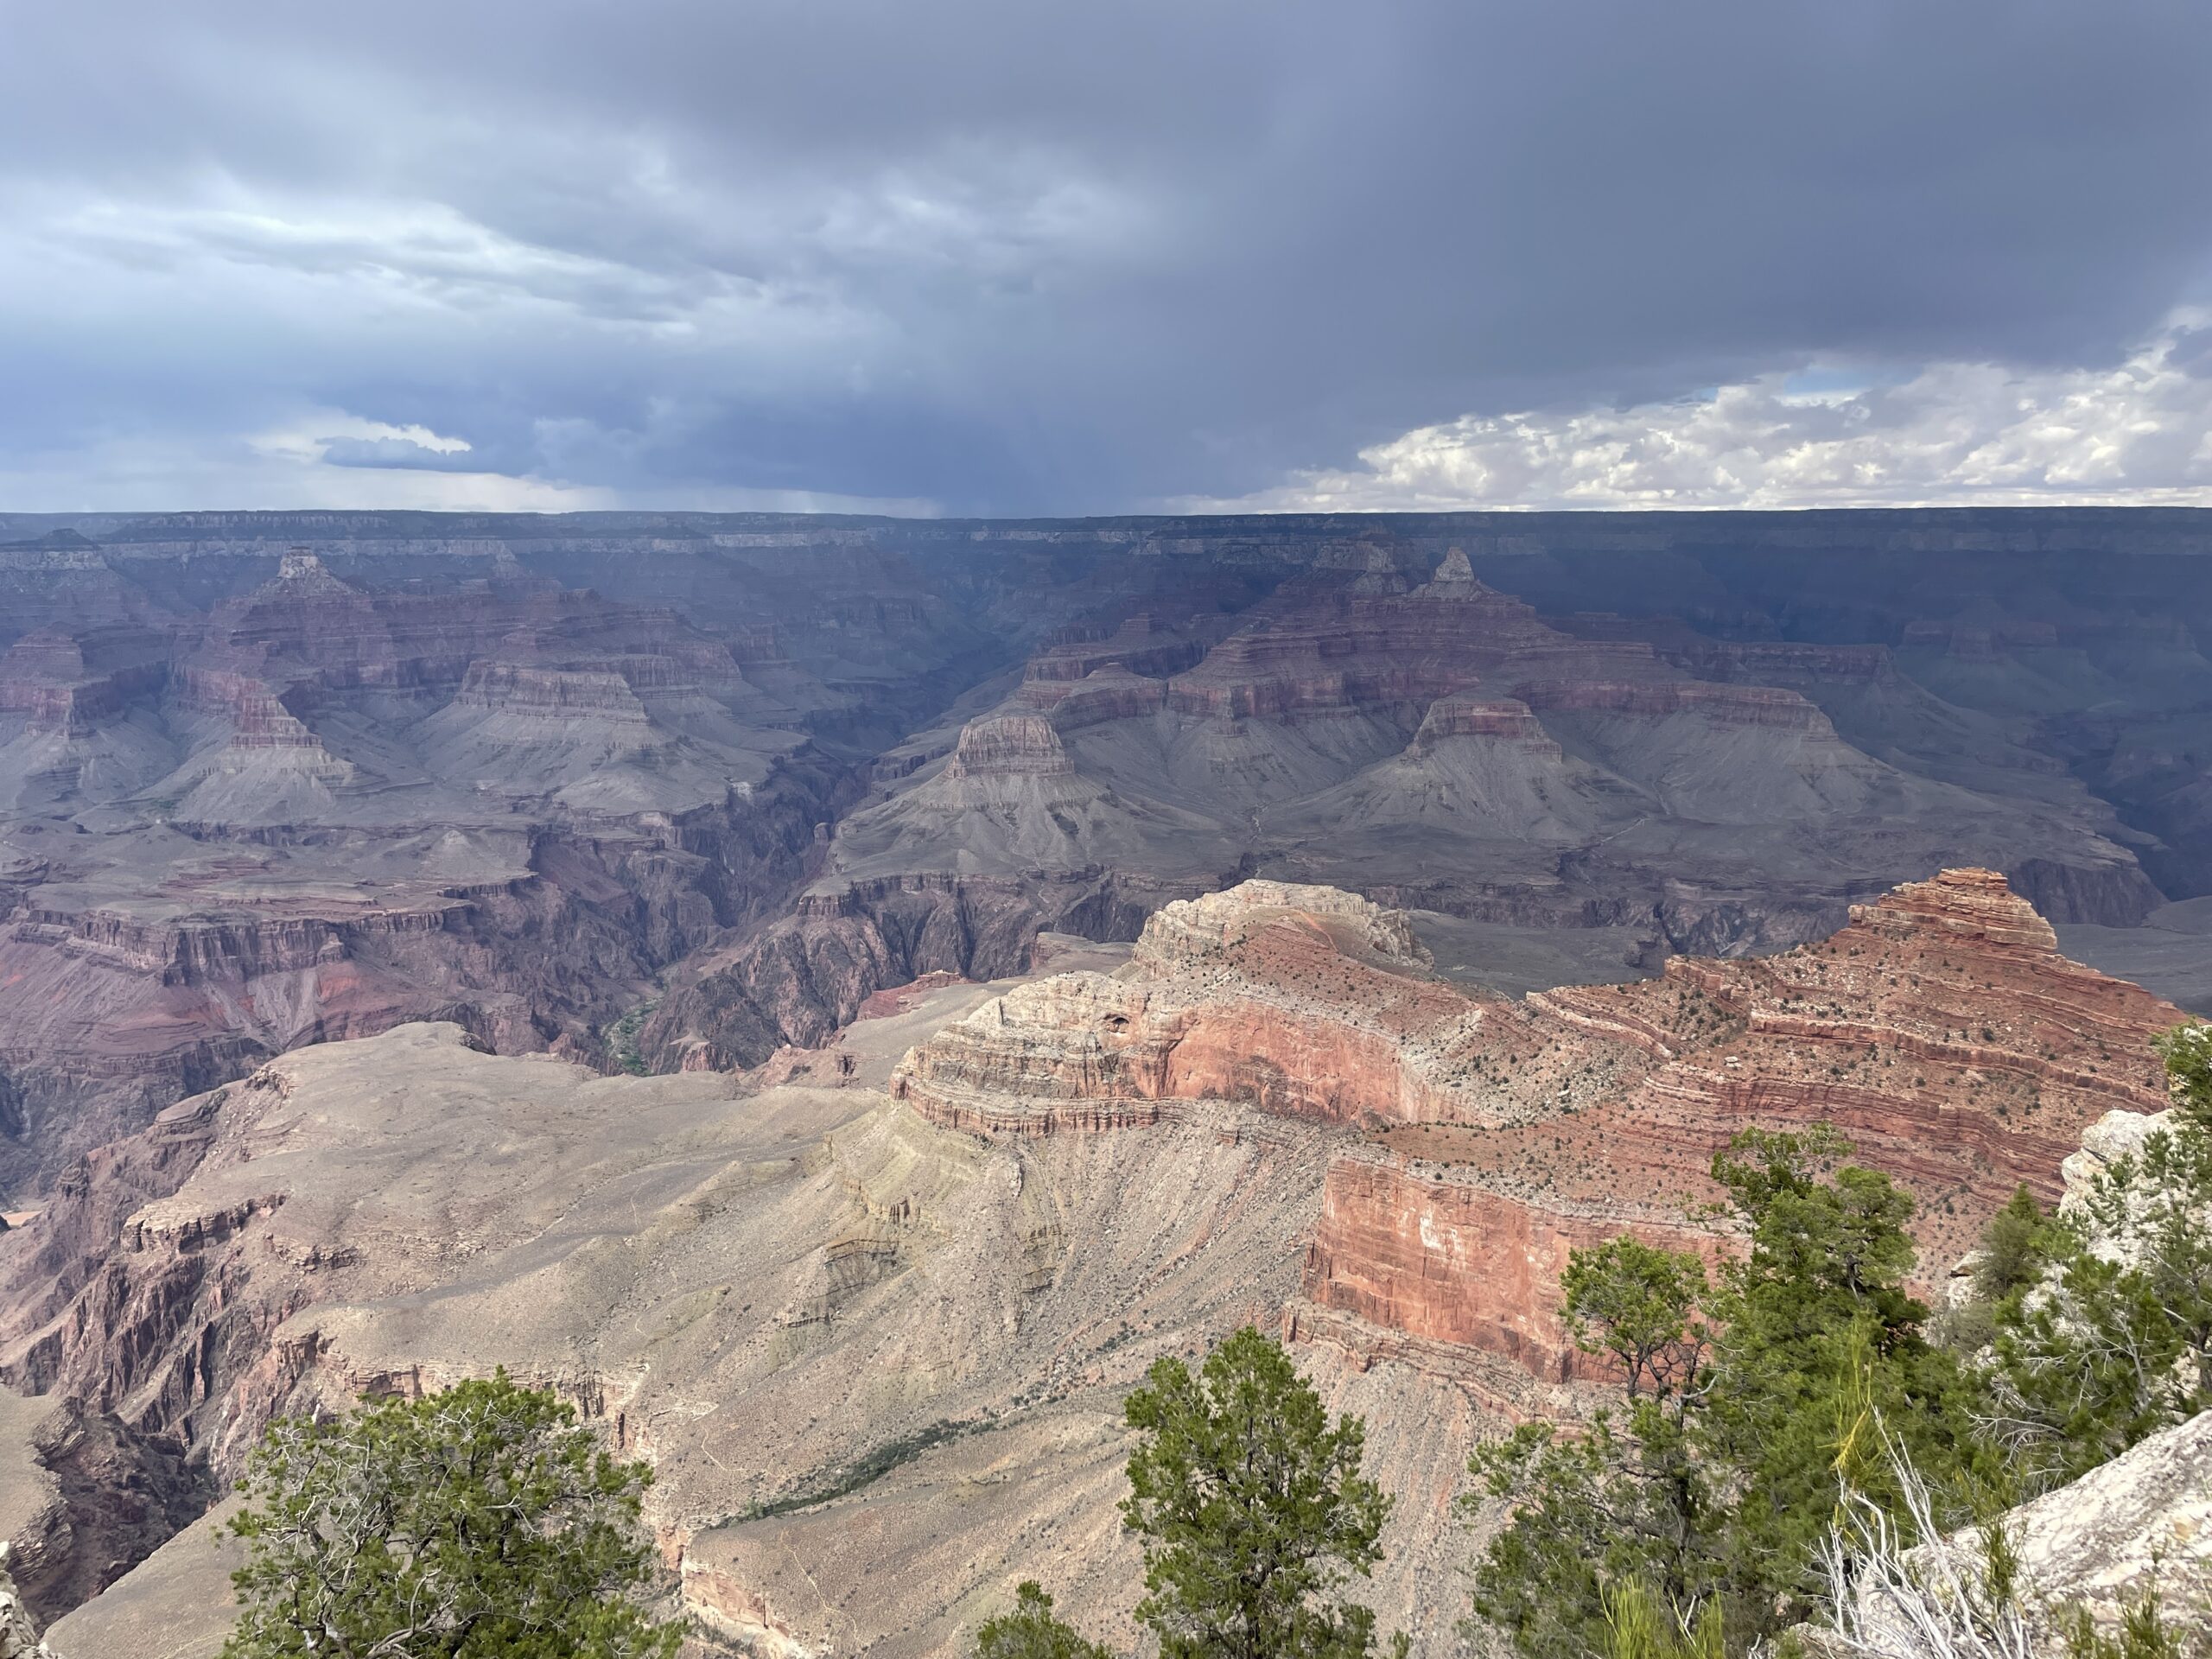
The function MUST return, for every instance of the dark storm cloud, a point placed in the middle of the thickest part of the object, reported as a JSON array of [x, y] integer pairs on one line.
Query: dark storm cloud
[[1019, 257]]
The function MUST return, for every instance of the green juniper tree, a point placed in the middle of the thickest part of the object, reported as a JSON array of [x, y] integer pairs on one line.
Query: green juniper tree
[[2014, 1249], [1813, 1314], [1708, 1486], [1252, 1510], [1613, 1522], [478, 1523], [2104, 1335], [1030, 1631]]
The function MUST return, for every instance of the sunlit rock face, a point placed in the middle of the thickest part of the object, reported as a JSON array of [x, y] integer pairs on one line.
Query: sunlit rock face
[[1941, 1030]]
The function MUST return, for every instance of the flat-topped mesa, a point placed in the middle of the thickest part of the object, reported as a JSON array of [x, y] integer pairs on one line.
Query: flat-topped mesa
[[1508, 718], [678, 667], [1106, 694], [1265, 672], [1074, 1052], [1009, 746], [527, 689], [1138, 645], [1304, 1001]]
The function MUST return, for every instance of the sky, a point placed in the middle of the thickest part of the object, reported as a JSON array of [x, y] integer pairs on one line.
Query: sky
[[1060, 256]]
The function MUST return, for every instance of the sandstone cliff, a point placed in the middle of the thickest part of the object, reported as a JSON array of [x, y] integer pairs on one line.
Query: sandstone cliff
[[1941, 1030]]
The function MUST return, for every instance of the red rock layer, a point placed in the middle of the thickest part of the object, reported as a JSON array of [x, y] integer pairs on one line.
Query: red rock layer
[[71, 685], [1109, 693], [1941, 1031], [1305, 1000], [258, 719], [1446, 1262]]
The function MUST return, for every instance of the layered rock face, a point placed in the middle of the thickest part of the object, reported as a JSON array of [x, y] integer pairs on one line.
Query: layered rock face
[[1227, 698], [1941, 1030], [770, 1294], [323, 810], [1011, 745], [1436, 744], [1295, 998]]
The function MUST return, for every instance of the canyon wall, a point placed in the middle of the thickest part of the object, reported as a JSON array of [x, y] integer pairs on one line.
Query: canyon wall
[[1941, 1031]]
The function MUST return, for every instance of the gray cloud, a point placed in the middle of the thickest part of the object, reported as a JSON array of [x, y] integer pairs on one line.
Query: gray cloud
[[397, 452], [1011, 258]]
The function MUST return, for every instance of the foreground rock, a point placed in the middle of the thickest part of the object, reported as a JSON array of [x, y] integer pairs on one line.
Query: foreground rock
[[2133, 1529], [2147, 1515], [18, 1630]]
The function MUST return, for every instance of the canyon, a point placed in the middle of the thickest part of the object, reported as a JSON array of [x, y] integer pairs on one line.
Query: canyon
[[836, 996], [870, 1309], [268, 779]]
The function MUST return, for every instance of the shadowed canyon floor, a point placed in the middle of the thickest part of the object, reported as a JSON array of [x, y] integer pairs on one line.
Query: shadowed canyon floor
[[871, 1308]]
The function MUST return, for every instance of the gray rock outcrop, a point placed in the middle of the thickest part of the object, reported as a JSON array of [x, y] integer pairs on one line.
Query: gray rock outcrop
[[18, 1633]]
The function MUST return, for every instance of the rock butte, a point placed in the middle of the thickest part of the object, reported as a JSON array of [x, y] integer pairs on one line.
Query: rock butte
[[1941, 1030]]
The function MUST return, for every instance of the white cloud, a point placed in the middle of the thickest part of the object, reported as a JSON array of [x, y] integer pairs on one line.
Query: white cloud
[[2136, 433], [308, 439]]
